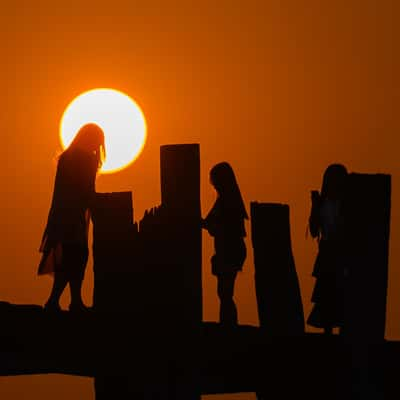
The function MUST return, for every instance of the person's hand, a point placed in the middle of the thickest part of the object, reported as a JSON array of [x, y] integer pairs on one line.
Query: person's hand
[[315, 196]]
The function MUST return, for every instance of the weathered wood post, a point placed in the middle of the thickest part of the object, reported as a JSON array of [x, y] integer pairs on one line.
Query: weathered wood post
[[113, 303], [279, 302], [367, 218], [280, 307], [180, 198], [113, 241], [148, 286], [180, 195]]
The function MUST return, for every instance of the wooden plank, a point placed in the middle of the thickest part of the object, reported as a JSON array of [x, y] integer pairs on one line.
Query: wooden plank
[[367, 216], [367, 226], [114, 248], [152, 274], [279, 303], [180, 195], [231, 360], [180, 178]]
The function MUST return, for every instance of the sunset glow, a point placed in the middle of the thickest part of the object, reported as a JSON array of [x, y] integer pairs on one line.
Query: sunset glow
[[118, 115], [279, 90]]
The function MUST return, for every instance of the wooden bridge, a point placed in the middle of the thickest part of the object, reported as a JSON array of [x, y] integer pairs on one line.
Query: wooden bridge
[[145, 338], [136, 361]]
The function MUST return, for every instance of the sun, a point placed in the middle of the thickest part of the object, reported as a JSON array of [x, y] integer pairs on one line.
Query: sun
[[118, 115]]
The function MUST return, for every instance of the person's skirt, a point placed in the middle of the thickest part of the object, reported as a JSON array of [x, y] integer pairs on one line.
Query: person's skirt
[[229, 255], [68, 257], [328, 292], [64, 243]]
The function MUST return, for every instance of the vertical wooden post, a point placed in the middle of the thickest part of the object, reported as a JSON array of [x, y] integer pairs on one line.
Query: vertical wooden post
[[113, 240], [154, 276], [180, 194], [113, 302], [180, 197], [367, 218], [280, 307]]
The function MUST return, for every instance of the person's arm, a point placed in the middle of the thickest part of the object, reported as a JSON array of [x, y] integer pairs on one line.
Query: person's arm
[[314, 219], [211, 222], [88, 180]]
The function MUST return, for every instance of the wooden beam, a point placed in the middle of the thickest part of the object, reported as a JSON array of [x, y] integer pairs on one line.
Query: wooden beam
[[279, 302], [182, 255], [367, 217], [240, 359], [151, 271]]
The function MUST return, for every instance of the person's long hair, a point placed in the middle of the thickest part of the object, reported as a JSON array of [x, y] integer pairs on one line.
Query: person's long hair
[[334, 181], [90, 138], [223, 179]]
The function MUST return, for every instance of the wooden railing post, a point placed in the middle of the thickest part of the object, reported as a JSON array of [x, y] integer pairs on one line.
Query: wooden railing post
[[279, 302], [367, 220], [113, 241], [180, 197]]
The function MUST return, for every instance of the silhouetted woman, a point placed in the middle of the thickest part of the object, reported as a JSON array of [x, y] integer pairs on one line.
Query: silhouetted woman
[[65, 240], [326, 223], [225, 222]]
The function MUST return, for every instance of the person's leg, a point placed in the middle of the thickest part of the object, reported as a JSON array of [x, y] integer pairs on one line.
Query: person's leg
[[76, 260], [60, 279], [225, 289], [59, 283], [76, 293]]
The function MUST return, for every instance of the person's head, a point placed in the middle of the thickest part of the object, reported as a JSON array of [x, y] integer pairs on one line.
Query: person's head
[[334, 181], [224, 181], [90, 138]]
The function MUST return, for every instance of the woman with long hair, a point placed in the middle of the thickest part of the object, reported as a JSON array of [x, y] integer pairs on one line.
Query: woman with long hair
[[225, 222], [326, 223], [65, 239]]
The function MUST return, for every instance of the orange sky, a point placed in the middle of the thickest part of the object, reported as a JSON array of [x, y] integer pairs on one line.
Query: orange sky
[[278, 89]]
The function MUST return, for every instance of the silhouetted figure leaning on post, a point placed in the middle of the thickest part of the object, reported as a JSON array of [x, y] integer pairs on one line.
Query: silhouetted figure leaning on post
[[65, 240], [225, 222], [326, 223]]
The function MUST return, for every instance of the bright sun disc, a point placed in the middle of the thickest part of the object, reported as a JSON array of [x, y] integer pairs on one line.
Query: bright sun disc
[[120, 118]]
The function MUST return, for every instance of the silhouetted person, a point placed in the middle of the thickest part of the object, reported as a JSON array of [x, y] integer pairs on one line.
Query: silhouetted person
[[225, 222], [65, 240], [326, 223]]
